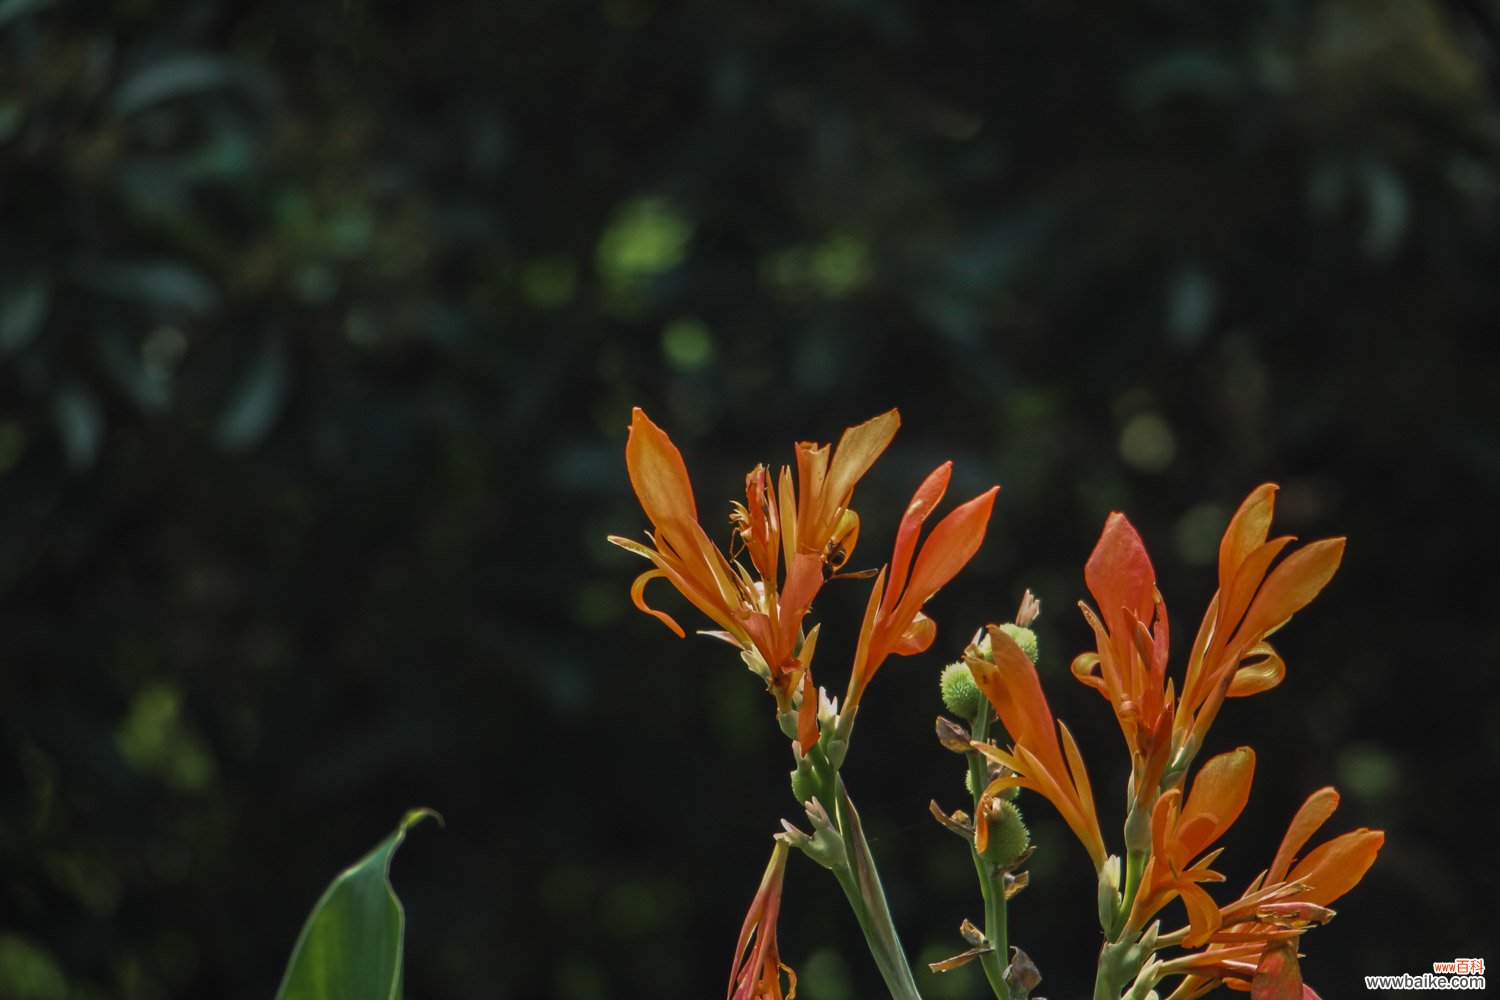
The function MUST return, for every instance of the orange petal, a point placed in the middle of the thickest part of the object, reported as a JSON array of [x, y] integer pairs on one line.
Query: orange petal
[[1012, 686], [1261, 669], [1309, 818], [917, 637], [865, 660], [1218, 796], [1292, 585], [1119, 572], [658, 473], [807, 716], [1086, 668], [638, 595], [1094, 841], [1247, 531], [1332, 869], [1203, 915], [923, 502], [1235, 600], [950, 546], [760, 921], [858, 449]]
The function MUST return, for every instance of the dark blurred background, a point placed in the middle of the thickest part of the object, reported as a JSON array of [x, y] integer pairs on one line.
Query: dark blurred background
[[320, 325]]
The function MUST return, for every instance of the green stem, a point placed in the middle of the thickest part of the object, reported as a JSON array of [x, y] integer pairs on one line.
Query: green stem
[[992, 888], [861, 883]]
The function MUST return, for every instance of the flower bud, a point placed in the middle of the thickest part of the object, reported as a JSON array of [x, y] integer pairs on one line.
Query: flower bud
[[1008, 835], [960, 693], [1110, 899]]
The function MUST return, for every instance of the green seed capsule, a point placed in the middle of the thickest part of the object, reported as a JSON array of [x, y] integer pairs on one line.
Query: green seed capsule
[[960, 693], [1024, 637], [1008, 833]]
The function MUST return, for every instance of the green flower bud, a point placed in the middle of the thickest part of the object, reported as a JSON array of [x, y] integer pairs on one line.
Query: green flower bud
[[1024, 637], [1008, 833], [960, 693]]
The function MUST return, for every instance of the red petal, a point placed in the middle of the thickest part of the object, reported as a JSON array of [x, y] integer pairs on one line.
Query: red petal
[[1277, 976]]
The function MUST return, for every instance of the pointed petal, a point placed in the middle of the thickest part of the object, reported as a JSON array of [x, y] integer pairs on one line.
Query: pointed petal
[[865, 660], [1119, 572], [1012, 686], [807, 717], [658, 473], [1292, 585], [1247, 531], [923, 502], [1235, 600], [1094, 841], [858, 449], [947, 550], [1218, 796], [1309, 818], [1332, 869]]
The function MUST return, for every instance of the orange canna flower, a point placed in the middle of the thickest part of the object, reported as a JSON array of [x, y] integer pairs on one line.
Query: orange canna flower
[[1181, 832], [756, 973], [681, 551], [1130, 665], [894, 623], [762, 614], [1329, 870], [825, 525], [1054, 771], [1290, 896], [1230, 656]]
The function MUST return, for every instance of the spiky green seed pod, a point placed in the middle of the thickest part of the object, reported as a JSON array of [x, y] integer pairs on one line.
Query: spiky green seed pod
[[960, 693], [1008, 833], [804, 784], [1024, 637]]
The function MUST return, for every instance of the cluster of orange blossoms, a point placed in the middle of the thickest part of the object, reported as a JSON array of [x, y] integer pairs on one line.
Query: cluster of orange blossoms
[[1171, 826], [810, 525], [797, 532]]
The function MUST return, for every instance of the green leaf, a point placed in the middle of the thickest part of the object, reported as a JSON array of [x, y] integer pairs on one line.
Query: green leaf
[[351, 946]]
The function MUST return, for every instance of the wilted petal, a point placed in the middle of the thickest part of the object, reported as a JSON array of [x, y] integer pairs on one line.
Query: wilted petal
[[1277, 975]]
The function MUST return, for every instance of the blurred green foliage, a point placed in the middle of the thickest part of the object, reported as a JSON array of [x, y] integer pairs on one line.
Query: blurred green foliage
[[319, 328]]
